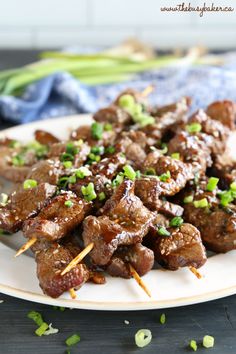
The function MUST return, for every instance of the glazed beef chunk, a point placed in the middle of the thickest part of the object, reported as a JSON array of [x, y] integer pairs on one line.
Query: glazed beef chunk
[[139, 256], [56, 220], [183, 248], [223, 111], [124, 221], [112, 114], [24, 204], [46, 171], [45, 138], [51, 262]]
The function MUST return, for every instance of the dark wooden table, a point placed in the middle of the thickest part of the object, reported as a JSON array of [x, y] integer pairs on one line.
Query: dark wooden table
[[106, 332]]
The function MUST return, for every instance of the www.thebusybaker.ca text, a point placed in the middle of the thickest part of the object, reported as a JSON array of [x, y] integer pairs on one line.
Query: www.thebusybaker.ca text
[[184, 7]]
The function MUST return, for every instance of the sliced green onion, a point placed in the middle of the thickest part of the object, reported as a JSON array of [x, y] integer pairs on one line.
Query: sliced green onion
[[138, 174], [36, 317], [176, 221], [14, 144], [71, 148], [66, 157], [233, 186], [72, 340], [83, 172], [18, 160], [188, 199], [226, 197], [202, 203], [163, 318], [97, 130], [97, 150], [72, 179], [50, 330], [143, 337], [118, 180], [208, 341], [175, 155], [212, 183], [108, 127], [101, 196], [126, 101], [164, 148], [193, 345], [30, 183], [163, 231], [150, 172], [129, 172], [165, 176], [42, 329], [89, 192], [62, 182], [110, 150], [67, 164], [68, 203], [3, 199], [94, 157], [193, 128]]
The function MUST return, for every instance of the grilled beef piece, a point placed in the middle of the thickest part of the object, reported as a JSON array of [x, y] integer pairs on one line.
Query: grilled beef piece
[[124, 221], [223, 111], [84, 133], [109, 167], [83, 149], [216, 224], [216, 132], [139, 256], [46, 171], [45, 138], [192, 150], [133, 144], [56, 220], [114, 115], [51, 262], [138, 96], [24, 204], [183, 248]]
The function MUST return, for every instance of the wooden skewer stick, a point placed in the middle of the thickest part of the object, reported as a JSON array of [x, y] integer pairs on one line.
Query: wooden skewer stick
[[78, 258], [72, 293], [147, 90], [140, 282], [195, 272], [26, 246]]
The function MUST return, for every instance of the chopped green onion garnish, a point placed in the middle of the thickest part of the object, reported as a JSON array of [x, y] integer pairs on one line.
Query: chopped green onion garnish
[[129, 172], [202, 203], [101, 196], [71, 148], [176, 221], [36, 317], [193, 128], [14, 144], [143, 337], [175, 155], [30, 183], [72, 179], [188, 199], [94, 157], [212, 183], [110, 150], [63, 181], [208, 341], [67, 164], [18, 160], [66, 157], [126, 101], [72, 340], [138, 174], [68, 203], [163, 318], [150, 171], [163, 232], [82, 172], [164, 148], [50, 330], [42, 329], [226, 197], [118, 180], [3, 199], [97, 130], [89, 192], [193, 345], [165, 176], [97, 150], [233, 186], [107, 127]]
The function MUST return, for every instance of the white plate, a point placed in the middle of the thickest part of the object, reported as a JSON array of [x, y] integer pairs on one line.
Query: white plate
[[169, 289]]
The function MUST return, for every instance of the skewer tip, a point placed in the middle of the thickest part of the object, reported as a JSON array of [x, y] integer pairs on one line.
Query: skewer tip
[[138, 279], [26, 246], [195, 272], [72, 293]]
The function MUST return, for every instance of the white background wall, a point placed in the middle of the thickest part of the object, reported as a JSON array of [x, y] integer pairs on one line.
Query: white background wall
[[56, 23]]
